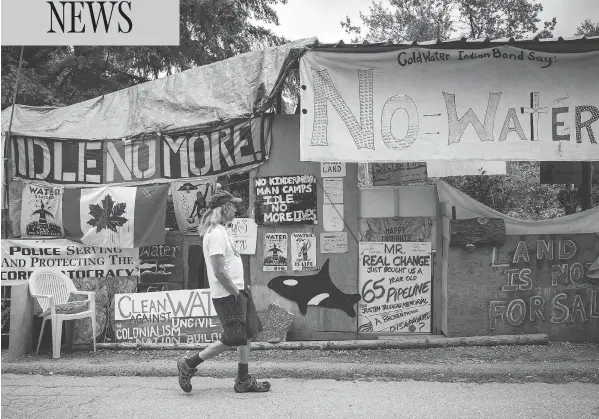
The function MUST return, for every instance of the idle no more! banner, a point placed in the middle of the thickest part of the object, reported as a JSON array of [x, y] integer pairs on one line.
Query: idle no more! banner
[[394, 280], [155, 157], [183, 316], [418, 104], [20, 258]]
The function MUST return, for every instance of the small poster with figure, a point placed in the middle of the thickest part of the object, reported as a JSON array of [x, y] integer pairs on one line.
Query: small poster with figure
[[303, 252], [275, 252], [189, 202], [243, 232], [41, 213]]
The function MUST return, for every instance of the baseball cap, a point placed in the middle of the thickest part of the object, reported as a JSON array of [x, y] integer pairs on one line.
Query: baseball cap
[[220, 198]]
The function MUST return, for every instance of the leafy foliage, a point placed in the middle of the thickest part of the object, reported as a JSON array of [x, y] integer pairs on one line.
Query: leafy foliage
[[423, 20], [588, 28], [210, 31], [108, 215]]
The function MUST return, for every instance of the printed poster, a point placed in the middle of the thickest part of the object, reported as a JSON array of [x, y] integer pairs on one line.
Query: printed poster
[[244, 232], [41, 211], [333, 190], [332, 217], [303, 252], [335, 242], [189, 202], [20, 258], [275, 252], [394, 280]]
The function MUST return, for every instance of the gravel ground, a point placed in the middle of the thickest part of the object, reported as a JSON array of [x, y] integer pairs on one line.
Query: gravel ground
[[552, 352], [551, 363]]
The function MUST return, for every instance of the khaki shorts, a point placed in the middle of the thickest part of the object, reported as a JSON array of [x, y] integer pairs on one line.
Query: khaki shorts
[[238, 318]]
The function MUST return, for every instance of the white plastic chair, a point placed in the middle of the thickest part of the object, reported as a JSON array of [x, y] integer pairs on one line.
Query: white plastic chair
[[52, 291]]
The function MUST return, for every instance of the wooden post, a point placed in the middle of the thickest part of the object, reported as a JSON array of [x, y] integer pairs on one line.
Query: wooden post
[[586, 186], [21, 321]]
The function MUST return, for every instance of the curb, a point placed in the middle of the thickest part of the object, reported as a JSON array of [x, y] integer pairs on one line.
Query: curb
[[381, 343], [560, 372]]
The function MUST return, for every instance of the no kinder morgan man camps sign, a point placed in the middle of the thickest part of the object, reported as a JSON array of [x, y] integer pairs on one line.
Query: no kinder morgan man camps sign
[[417, 104], [154, 157]]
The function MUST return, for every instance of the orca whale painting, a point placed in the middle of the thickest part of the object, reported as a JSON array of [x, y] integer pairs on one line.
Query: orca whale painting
[[314, 290]]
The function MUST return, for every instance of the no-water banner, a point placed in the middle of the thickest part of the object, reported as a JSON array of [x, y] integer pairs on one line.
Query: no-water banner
[[166, 156], [20, 258], [417, 104]]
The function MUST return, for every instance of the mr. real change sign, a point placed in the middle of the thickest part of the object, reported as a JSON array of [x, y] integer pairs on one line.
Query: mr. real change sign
[[284, 200]]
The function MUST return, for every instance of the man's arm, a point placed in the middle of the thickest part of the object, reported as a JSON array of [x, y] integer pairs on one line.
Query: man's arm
[[218, 265]]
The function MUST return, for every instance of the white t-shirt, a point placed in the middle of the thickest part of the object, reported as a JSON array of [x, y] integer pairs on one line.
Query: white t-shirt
[[218, 242]]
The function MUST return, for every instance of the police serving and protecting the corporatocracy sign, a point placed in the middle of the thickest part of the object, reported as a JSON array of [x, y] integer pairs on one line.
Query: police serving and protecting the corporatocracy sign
[[20, 258], [426, 104]]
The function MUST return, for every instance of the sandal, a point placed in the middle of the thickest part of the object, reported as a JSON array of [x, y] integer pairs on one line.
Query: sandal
[[250, 385]]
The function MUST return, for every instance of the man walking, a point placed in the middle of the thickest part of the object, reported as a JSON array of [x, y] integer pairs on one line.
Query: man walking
[[232, 301]]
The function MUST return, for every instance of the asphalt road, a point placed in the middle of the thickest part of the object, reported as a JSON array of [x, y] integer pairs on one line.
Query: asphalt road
[[49, 397]]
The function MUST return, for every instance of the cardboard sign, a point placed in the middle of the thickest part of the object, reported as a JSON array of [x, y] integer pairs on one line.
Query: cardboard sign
[[275, 252], [285, 200], [333, 242], [561, 172], [387, 174], [303, 252], [395, 285], [332, 169], [183, 316], [20, 258], [244, 232], [161, 265], [395, 229]]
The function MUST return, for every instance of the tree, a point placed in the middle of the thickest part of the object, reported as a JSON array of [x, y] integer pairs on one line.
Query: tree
[[210, 30], [422, 20], [588, 28]]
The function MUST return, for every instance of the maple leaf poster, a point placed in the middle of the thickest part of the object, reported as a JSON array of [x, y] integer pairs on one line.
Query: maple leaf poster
[[116, 216]]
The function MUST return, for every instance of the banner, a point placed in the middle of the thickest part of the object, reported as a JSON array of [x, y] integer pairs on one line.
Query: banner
[[395, 282], [440, 168], [183, 316], [41, 211], [395, 229], [420, 104], [21, 257], [189, 202], [120, 216], [284, 200], [243, 232], [384, 174], [152, 158], [303, 252], [275, 252]]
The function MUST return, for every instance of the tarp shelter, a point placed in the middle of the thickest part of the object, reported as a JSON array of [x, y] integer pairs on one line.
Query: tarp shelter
[[200, 98]]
